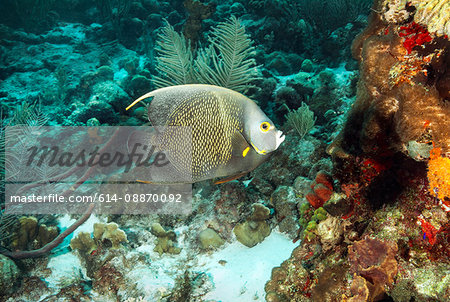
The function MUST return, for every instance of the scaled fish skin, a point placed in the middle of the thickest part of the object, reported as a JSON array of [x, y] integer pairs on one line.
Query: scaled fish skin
[[231, 135]]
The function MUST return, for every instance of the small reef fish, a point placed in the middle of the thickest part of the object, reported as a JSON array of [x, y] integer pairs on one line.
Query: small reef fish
[[227, 134]]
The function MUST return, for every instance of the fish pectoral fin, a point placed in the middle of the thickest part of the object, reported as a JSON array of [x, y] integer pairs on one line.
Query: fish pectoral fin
[[229, 178], [239, 145]]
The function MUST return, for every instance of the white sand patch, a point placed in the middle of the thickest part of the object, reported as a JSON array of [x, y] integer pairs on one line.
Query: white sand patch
[[66, 269], [246, 270]]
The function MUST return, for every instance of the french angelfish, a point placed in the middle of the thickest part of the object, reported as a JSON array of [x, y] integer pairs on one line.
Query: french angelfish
[[227, 134]]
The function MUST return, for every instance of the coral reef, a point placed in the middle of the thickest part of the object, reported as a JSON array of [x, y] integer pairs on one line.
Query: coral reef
[[394, 85], [368, 223], [198, 12]]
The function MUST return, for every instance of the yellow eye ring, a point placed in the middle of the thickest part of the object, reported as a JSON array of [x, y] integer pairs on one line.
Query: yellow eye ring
[[265, 126]]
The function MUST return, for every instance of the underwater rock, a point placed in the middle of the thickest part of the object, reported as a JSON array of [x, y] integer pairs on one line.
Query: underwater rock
[[432, 283], [131, 30], [286, 99], [307, 65], [139, 85], [106, 101], [166, 240], [198, 12], [400, 72], [210, 239], [9, 274], [255, 228], [105, 73], [330, 232], [137, 9], [278, 62], [111, 93], [290, 281], [301, 186], [284, 201], [337, 205], [104, 112]]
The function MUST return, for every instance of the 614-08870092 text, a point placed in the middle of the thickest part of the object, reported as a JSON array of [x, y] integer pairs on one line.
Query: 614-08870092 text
[[106, 198]]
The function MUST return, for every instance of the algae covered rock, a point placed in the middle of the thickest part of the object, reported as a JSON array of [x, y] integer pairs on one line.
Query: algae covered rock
[[9, 273], [166, 240], [30, 234], [330, 232], [284, 201], [210, 239], [105, 234], [255, 228], [110, 232], [84, 243]]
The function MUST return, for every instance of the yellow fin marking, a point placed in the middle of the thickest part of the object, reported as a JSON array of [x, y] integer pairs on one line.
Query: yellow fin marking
[[244, 153]]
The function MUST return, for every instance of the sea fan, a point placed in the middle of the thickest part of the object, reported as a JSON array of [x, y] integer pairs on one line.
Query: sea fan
[[226, 62], [175, 59]]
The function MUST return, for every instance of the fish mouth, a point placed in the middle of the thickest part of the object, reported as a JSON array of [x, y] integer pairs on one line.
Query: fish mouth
[[279, 139]]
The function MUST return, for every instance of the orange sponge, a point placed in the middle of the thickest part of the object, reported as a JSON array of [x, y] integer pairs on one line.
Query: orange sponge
[[439, 174]]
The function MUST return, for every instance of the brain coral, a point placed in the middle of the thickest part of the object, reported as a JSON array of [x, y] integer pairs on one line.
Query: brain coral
[[435, 14]]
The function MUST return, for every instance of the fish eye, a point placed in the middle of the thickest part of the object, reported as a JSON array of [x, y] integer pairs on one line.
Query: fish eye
[[265, 126]]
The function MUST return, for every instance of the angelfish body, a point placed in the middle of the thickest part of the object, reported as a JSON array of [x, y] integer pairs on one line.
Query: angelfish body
[[228, 134]]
